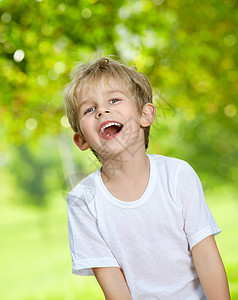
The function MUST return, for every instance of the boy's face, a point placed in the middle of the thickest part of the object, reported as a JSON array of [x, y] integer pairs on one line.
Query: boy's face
[[109, 119]]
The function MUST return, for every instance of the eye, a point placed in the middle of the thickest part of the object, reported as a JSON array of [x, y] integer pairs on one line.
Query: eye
[[114, 100], [89, 110]]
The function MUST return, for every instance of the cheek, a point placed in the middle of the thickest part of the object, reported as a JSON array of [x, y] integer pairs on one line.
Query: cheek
[[84, 127], [87, 128], [127, 111], [132, 113], [84, 122]]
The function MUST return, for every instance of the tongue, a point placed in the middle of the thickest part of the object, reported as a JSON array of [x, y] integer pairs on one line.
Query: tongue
[[111, 130]]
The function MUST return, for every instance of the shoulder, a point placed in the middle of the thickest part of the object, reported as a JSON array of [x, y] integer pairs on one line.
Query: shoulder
[[87, 182], [84, 192], [170, 163], [172, 169]]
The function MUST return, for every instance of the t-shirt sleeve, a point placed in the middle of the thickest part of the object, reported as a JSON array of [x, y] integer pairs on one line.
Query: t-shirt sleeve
[[199, 222], [87, 246]]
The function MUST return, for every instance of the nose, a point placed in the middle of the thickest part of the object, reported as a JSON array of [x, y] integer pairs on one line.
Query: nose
[[101, 112]]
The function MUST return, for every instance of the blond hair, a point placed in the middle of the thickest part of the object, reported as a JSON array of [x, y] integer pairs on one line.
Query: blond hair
[[137, 84]]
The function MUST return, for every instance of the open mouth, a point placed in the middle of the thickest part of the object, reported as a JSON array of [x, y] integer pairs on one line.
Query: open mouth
[[110, 129]]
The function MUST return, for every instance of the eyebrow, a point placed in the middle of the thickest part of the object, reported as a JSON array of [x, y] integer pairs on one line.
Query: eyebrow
[[82, 103], [116, 91]]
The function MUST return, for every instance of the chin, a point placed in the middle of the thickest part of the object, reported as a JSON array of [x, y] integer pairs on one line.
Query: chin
[[110, 153]]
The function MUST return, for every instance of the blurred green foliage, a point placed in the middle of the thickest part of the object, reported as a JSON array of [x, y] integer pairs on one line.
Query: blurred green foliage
[[188, 49]]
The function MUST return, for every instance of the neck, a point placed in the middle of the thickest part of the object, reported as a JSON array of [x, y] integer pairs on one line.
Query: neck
[[125, 167]]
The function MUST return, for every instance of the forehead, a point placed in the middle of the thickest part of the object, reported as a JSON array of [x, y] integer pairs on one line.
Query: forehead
[[104, 85]]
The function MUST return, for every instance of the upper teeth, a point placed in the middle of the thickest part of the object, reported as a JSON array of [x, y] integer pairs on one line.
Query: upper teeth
[[108, 125]]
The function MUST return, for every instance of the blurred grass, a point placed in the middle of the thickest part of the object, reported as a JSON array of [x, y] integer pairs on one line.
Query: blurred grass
[[35, 258], [224, 206]]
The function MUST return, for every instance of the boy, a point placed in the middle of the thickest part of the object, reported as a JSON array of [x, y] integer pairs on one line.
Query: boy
[[140, 223]]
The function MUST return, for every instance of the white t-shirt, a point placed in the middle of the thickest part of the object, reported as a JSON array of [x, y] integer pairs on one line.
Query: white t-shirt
[[150, 238]]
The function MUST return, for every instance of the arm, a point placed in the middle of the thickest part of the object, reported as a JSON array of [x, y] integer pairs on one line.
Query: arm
[[210, 269], [113, 283]]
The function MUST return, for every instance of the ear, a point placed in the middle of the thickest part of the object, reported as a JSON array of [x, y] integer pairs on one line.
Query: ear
[[80, 141], [148, 115]]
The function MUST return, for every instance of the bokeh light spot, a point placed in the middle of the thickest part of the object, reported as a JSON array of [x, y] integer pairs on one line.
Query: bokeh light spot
[[53, 75], [158, 2], [6, 17], [230, 110], [202, 86], [18, 55], [64, 122], [212, 108], [31, 39], [59, 67], [44, 47], [31, 124], [42, 80], [46, 30], [21, 77], [61, 7], [230, 40], [86, 13]]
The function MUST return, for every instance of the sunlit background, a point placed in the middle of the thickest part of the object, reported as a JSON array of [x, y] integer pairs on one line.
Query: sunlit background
[[189, 51]]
